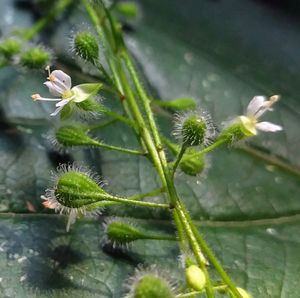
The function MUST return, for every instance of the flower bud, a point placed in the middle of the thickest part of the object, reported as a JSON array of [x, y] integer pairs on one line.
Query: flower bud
[[195, 278], [121, 233], [177, 104], [150, 283], [35, 58], [192, 164], [86, 46], [76, 189], [9, 47], [73, 135], [194, 128], [128, 9]]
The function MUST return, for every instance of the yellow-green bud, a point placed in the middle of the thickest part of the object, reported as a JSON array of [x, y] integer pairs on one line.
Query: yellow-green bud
[[195, 278], [151, 286], [76, 189], [192, 164], [73, 135], [9, 47], [128, 9], [35, 58], [120, 232], [178, 104], [86, 46]]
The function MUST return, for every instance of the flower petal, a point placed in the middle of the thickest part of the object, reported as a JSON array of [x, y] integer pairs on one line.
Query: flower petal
[[63, 102], [268, 126], [255, 105], [56, 111], [54, 89], [62, 77], [84, 91]]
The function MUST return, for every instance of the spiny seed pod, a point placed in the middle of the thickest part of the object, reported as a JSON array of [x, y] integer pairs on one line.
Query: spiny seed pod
[[150, 283], [192, 164], [194, 128], [195, 278], [35, 58], [75, 191], [121, 233], [86, 46], [10, 47], [177, 104], [73, 135]]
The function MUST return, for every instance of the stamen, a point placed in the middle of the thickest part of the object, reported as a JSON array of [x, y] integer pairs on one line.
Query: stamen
[[35, 96], [48, 69]]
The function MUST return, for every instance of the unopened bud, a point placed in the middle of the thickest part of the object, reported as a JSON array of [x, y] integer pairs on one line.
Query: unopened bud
[[178, 104], [128, 9], [73, 135], [192, 164], [35, 58], [195, 278], [121, 233], [86, 46]]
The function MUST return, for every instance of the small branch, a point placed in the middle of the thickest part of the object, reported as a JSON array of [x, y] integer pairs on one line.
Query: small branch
[[115, 115], [178, 159], [139, 203], [120, 149]]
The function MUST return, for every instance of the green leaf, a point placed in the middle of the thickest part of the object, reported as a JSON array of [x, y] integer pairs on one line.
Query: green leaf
[[246, 204]]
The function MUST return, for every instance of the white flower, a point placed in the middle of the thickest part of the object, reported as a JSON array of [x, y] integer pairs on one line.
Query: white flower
[[256, 108], [59, 84]]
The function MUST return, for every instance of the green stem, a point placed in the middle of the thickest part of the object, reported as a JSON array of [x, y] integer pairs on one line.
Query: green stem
[[178, 159], [43, 22], [151, 193], [101, 125], [160, 237], [119, 149], [197, 251], [138, 197], [174, 148], [115, 115], [153, 145], [144, 98], [138, 203]]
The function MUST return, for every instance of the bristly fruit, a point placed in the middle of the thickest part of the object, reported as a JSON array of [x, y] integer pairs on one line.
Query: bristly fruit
[[86, 46]]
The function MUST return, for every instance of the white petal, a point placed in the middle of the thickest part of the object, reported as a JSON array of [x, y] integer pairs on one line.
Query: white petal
[[268, 126], [56, 111], [255, 105], [63, 102], [54, 89], [63, 78]]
